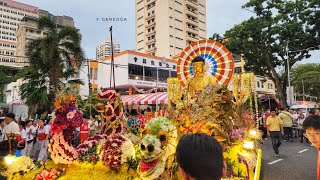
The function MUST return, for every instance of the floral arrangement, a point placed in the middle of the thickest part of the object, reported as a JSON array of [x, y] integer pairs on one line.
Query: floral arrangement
[[237, 134], [67, 117], [88, 151], [116, 151], [61, 151], [51, 174], [20, 164], [111, 110], [157, 148]]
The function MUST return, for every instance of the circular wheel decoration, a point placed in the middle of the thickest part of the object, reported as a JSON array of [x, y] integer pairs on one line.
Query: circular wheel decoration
[[219, 61]]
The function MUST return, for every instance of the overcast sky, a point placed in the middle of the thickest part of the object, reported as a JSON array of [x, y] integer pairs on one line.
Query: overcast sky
[[221, 16]]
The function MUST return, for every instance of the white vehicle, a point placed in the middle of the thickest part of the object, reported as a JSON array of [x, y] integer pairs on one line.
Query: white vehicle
[[305, 106]]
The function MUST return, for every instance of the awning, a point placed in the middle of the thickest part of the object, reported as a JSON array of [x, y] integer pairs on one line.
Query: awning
[[266, 97], [17, 102], [152, 98]]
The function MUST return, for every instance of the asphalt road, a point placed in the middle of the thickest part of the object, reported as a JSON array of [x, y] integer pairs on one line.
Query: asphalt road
[[297, 161]]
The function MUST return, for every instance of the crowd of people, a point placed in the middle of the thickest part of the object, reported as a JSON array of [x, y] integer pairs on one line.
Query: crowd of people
[[31, 137], [284, 124]]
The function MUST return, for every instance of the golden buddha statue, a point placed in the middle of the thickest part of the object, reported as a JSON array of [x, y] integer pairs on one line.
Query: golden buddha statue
[[200, 78]]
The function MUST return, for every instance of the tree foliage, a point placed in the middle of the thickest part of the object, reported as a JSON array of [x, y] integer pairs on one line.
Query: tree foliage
[[309, 76], [54, 59], [8, 75], [263, 39]]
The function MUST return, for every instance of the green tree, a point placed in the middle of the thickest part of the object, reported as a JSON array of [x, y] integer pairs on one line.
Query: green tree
[[308, 74], [8, 75], [263, 39], [54, 59]]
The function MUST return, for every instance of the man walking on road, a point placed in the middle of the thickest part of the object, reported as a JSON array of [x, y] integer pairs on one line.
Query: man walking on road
[[287, 118], [275, 129]]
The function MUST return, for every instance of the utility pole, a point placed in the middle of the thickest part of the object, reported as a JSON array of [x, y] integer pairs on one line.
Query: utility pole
[[289, 83], [89, 84], [302, 89], [112, 74]]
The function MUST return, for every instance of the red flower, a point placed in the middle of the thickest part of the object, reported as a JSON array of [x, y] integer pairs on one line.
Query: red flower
[[56, 127]]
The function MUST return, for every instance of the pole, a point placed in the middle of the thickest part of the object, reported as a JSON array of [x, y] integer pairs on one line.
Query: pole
[[89, 84], [112, 62], [157, 89], [289, 83], [302, 89]]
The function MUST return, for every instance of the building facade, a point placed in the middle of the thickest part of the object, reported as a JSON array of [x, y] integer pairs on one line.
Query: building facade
[[104, 49], [11, 13], [165, 28], [27, 31], [134, 71]]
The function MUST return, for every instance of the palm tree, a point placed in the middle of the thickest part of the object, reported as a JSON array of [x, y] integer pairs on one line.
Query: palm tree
[[54, 59]]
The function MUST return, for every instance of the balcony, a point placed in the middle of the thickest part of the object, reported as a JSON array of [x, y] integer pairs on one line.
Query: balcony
[[150, 1], [192, 30], [150, 33], [192, 12], [150, 25], [150, 17], [192, 3], [151, 50], [191, 21], [151, 41], [192, 38]]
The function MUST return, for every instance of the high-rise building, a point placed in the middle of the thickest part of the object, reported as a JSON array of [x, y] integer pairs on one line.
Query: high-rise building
[[11, 13], [164, 28], [104, 49], [59, 20], [27, 31]]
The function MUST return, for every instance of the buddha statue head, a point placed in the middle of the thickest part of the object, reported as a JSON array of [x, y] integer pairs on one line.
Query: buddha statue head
[[199, 66]]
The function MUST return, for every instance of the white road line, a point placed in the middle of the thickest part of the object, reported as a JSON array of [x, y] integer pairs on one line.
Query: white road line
[[273, 162], [303, 151]]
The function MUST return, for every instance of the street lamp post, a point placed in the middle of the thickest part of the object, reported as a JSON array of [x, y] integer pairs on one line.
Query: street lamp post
[[289, 83]]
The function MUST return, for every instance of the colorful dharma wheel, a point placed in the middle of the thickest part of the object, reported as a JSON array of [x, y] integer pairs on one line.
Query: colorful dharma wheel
[[219, 61]]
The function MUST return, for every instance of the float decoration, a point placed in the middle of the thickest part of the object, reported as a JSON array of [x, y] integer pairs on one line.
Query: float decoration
[[67, 119], [157, 148]]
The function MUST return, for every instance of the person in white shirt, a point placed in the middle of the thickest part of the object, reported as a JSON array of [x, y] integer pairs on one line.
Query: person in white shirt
[[34, 150], [30, 135], [43, 134], [93, 124], [21, 140], [11, 132], [2, 132]]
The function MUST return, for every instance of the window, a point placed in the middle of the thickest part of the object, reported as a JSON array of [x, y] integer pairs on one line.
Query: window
[[258, 84], [140, 9], [179, 38], [262, 84], [178, 2], [140, 2], [178, 11], [140, 18], [135, 70], [237, 70], [150, 72], [173, 74], [178, 20], [179, 29]]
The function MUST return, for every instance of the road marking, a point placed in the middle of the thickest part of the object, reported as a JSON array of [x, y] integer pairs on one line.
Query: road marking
[[303, 151], [273, 162]]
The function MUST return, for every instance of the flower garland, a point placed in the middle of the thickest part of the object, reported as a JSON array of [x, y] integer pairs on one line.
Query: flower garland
[[51, 174], [61, 151], [116, 151], [88, 151], [21, 164]]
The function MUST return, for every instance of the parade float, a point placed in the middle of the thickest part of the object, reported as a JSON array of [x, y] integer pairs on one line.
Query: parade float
[[199, 101]]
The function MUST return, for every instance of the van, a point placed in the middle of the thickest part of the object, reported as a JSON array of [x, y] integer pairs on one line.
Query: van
[[305, 106]]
